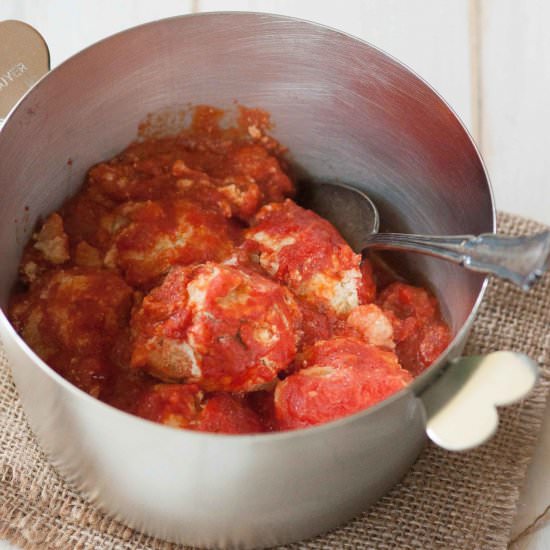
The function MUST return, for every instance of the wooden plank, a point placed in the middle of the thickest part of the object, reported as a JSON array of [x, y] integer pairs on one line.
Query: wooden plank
[[515, 96], [69, 26], [430, 36]]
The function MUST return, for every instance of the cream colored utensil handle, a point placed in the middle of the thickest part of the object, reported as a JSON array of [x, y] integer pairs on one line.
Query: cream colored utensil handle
[[24, 59], [461, 406]]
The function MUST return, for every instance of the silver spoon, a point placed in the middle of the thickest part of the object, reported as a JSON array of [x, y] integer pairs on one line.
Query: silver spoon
[[521, 260]]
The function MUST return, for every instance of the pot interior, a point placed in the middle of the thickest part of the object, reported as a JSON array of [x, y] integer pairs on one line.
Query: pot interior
[[346, 111]]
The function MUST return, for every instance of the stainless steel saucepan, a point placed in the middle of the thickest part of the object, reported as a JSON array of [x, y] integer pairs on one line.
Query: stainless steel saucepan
[[347, 112]]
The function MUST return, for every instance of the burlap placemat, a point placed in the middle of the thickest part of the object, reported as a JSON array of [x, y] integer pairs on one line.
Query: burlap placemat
[[448, 500]]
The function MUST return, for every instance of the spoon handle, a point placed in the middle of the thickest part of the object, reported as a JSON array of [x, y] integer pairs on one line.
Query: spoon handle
[[521, 260]]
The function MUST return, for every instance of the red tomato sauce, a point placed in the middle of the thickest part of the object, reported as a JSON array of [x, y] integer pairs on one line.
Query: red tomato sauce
[[183, 285]]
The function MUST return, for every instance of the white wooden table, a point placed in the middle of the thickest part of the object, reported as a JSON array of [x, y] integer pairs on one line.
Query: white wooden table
[[490, 59]]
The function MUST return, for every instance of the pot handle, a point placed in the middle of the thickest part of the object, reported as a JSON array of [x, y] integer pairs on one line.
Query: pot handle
[[24, 59], [461, 405]]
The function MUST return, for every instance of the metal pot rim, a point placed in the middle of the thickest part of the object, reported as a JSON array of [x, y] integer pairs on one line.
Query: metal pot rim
[[418, 382]]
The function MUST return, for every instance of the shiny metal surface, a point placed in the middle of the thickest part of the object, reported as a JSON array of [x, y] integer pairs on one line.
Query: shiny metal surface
[[347, 112], [521, 260], [24, 58], [346, 207]]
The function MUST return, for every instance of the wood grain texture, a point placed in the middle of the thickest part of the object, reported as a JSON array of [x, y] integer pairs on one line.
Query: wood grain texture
[[515, 95], [475, 67]]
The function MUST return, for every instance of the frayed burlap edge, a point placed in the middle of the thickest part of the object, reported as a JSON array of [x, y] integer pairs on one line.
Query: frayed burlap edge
[[447, 500]]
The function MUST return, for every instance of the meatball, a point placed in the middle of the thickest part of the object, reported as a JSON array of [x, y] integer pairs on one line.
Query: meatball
[[341, 376], [261, 402], [52, 241], [176, 405], [186, 406], [420, 333], [233, 195], [372, 326], [236, 178], [306, 253], [72, 319], [219, 326], [152, 236], [369, 282], [131, 179], [315, 325], [50, 248], [254, 163], [228, 414], [87, 217]]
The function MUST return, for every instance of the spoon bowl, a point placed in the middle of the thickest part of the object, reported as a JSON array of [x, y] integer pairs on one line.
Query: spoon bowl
[[521, 260], [351, 211]]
